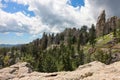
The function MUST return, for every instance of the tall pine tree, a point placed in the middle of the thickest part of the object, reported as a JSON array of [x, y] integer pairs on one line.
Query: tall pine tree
[[92, 35]]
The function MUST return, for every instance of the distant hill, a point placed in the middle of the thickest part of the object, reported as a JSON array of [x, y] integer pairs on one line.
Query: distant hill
[[9, 45]]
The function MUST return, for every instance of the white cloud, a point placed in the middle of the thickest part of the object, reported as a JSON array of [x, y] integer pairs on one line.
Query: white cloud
[[19, 34], [54, 15], [18, 22]]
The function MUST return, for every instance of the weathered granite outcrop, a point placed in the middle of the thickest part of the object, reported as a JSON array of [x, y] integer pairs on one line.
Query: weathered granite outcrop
[[92, 71], [101, 23], [104, 26]]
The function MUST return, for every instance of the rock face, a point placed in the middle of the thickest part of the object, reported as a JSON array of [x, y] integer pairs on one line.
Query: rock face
[[101, 23], [92, 71], [105, 27]]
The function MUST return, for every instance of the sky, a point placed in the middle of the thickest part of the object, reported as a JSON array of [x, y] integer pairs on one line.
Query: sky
[[22, 21]]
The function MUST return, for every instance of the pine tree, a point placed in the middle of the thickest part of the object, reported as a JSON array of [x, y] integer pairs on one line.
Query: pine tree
[[78, 44], [118, 30], [92, 35], [44, 41], [114, 33], [67, 65], [83, 35], [80, 58], [49, 64]]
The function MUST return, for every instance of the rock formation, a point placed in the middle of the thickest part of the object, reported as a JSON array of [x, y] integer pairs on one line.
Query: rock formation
[[101, 23], [111, 24], [104, 27], [92, 71]]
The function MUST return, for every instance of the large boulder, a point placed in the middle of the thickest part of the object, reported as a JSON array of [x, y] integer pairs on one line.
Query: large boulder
[[17, 70]]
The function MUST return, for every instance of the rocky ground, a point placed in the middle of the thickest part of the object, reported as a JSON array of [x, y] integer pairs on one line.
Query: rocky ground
[[92, 71]]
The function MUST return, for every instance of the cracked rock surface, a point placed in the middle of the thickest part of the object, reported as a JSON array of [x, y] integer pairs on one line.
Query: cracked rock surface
[[91, 71]]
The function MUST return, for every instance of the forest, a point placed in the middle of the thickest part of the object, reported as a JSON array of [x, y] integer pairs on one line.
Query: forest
[[63, 51]]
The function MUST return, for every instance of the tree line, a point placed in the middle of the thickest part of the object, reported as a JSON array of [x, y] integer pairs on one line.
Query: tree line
[[56, 52]]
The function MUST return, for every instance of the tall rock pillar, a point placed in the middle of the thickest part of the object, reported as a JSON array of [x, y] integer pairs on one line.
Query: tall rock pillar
[[101, 24]]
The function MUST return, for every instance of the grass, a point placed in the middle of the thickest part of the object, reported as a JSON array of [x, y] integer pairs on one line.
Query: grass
[[101, 41]]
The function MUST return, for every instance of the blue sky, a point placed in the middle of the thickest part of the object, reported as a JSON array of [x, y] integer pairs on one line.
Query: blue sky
[[76, 3], [14, 7]]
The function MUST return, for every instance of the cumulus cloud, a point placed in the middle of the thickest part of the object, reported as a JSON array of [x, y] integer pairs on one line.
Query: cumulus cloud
[[18, 22], [55, 15]]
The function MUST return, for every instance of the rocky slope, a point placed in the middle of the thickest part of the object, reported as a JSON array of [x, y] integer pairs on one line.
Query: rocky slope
[[92, 71]]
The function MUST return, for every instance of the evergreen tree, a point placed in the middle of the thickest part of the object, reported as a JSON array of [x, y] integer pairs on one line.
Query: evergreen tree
[[67, 65], [81, 39], [49, 64], [83, 35], [80, 58], [92, 35], [78, 44], [114, 33], [44, 41], [102, 56], [118, 30]]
